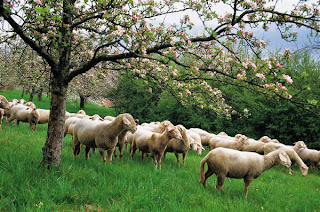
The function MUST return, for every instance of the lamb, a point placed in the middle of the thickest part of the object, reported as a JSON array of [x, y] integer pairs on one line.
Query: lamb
[[1, 117], [154, 143], [100, 134], [24, 114], [310, 156], [224, 162], [204, 135], [291, 151], [228, 142], [179, 145]]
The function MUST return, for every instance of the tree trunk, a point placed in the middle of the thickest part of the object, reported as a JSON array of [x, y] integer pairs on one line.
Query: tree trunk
[[33, 92], [53, 146], [82, 101], [40, 95]]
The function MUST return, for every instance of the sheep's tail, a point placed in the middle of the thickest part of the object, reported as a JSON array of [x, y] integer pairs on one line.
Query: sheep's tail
[[203, 161]]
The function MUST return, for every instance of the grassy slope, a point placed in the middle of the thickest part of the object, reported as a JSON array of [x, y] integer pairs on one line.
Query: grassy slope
[[134, 184]]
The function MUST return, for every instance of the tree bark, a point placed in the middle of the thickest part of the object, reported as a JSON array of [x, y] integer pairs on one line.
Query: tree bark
[[53, 146], [40, 95], [82, 101], [32, 93]]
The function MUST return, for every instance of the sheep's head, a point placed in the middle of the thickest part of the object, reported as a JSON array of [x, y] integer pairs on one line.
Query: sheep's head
[[174, 132], [242, 139], [265, 139], [300, 145], [81, 112], [222, 133], [275, 141], [304, 170], [129, 123], [284, 159], [199, 149]]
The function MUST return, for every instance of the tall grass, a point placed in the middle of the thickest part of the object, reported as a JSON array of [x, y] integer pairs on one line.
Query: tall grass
[[134, 185]]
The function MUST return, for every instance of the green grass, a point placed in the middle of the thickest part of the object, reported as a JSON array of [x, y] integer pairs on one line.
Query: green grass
[[134, 185]]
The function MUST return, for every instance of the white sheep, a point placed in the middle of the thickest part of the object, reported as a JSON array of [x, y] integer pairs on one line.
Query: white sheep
[[30, 104], [24, 113], [224, 162], [228, 142], [310, 156], [179, 145], [195, 141], [100, 134], [204, 135], [44, 116], [255, 145], [154, 143], [291, 151], [4, 102]]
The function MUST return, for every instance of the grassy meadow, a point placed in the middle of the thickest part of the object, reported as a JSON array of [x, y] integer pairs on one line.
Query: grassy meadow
[[132, 185]]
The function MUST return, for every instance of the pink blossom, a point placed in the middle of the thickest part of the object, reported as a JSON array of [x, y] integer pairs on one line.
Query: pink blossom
[[38, 2], [175, 73], [261, 76], [287, 78]]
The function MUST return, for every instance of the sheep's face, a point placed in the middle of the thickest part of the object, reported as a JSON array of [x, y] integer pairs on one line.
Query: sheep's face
[[284, 159], [129, 124], [174, 132], [304, 170], [301, 144], [199, 149], [265, 139]]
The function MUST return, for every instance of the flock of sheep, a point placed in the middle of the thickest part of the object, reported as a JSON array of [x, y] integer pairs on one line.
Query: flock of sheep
[[234, 157]]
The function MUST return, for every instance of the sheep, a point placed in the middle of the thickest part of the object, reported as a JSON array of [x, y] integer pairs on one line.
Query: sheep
[[44, 116], [195, 141], [228, 142], [30, 104], [291, 151], [25, 114], [179, 145], [100, 134], [255, 145], [69, 124], [224, 162], [4, 102], [109, 118], [310, 156], [204, 135], [154, 143], [1, 117], [80, 114]]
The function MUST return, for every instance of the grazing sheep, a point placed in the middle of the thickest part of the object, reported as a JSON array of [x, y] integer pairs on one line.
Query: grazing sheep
[[224, 162], [291, 151], [154, 143], [1, 117], [179, 145], [195, 141], [204, 135], [228, 142], [24, 114], [100, 134], [310, 156], [69, 124], [80, 114]]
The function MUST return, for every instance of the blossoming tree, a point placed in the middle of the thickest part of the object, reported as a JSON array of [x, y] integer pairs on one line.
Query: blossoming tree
[[73, 36]]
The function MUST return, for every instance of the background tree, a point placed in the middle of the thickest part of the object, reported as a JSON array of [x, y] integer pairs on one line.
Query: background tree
[[74, 36], [94, 83]]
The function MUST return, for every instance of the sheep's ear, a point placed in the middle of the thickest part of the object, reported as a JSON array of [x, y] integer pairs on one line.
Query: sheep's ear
[[283, 157], [126, 121]]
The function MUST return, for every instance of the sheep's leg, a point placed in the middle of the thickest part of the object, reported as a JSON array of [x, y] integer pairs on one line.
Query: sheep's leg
[[132, 150], [18, 122], [247, 182], [115, 153], [103, 155], [184, 155], [220, 182], [165, 154], [290, 171], [142, 155], [87, 150], [208, 173], [154, 159], [177, 156], [159, 159], [110, 152], [76, 150], [121, 152]]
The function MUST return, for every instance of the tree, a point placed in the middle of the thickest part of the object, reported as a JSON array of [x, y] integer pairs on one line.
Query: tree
[[94, 83], [74, 36]]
